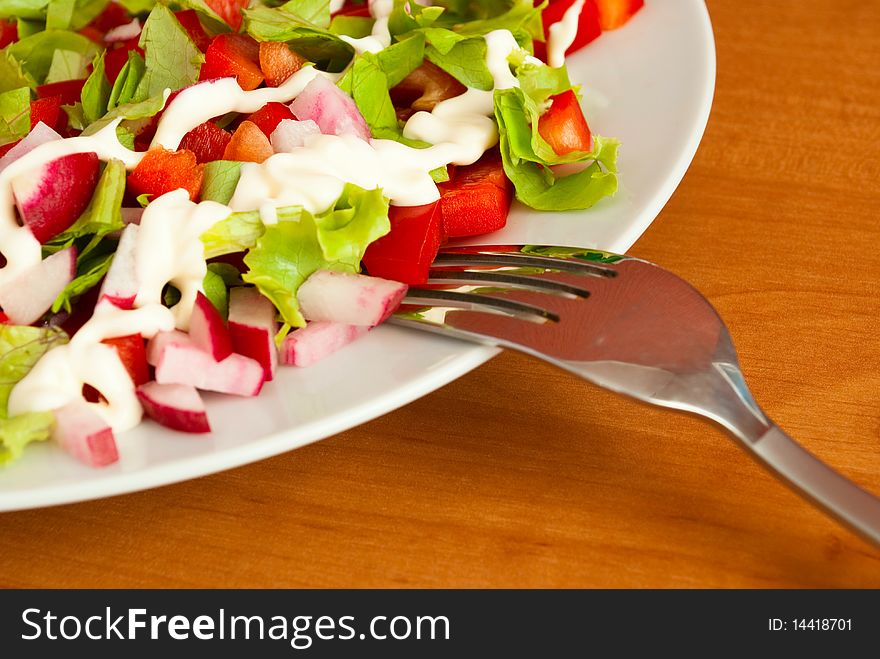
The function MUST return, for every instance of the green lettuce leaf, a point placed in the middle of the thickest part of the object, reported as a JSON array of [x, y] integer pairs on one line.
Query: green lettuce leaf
[[30, 9], [300, 244], [127, 81], [15, 114], [408, 16], [220, 179], [59, 14], [36, 51], [520, 16], [20, 349], [67, 65], [85, 11], [172, 59], [12, 75], [215, 291], [89, 272], [95, 93], [16, 433], [465, 60], [352, 26], [238, 232]]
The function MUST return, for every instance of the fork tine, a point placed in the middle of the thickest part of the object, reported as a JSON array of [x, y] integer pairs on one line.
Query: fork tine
[[445, 259], [513, 280], [476, 302]]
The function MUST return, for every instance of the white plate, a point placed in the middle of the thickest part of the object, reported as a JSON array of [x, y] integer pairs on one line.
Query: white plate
[[650, 84]]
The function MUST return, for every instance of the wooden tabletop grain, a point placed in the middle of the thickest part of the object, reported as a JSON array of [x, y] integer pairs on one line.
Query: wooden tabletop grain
[[548, 482]]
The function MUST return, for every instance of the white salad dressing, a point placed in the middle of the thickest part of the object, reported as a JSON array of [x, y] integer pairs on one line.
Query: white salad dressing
[[336, 5], [168, 246], [563, 33], [380, 38]]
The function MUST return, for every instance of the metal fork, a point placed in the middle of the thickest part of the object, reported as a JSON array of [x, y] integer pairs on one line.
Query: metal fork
[[631, 327]]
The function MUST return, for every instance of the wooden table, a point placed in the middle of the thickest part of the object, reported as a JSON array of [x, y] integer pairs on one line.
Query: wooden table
[[519, 475]]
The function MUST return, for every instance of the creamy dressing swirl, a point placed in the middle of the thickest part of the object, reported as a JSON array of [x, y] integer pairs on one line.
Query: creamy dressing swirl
[[563, 33], [168, 246]]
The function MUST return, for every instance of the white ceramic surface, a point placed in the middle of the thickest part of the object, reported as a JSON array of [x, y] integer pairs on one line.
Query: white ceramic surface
[[649, 84]]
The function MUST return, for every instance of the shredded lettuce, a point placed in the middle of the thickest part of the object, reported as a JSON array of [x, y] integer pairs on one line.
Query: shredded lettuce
[[67, 65], [89, 273], [300, 244], [95, 93], [35, 52], [221, 177], [16, 433], [12, 75], [125, 87], [15, 114], [172, 59], [238, 232]]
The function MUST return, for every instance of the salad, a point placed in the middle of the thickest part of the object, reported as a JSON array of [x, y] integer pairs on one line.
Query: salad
[[193, 192]]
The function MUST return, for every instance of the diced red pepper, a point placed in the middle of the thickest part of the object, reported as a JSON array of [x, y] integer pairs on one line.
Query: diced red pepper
[[229, 10], [189, 19], [269, 116], [588, 25], [69, 91], [278, 62], [207, 141], [350, 9], [46, 110], [113, 15], [133, 355], [4, 319], [233, 55], [248, 144], [406, 253], [8, 32], [477, 199], [162, 171], [114, 60], [614, 13], [564, 126]]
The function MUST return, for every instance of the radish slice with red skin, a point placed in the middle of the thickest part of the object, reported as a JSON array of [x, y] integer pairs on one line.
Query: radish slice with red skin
[[31, 294], [332, 109], [40, 134], [175, 406], [207, 329], [120, 286], [352, 299], [291, 134], [252, 327], [81, 431], [318, 340]]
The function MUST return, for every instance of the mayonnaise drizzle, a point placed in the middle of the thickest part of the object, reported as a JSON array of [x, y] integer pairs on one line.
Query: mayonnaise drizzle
[[168, 246], [380, 38], [563, 34]]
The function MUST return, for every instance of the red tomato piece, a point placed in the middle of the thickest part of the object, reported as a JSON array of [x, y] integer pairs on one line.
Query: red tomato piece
[[278, 62], [248, 144], [8, 32], [69, 91], [162, 171], [233, 55], [229, 10], [46, 110], [207, 141], [564, 126], [477, 198], [189, 19], [614, 13], [133, 355], [588, 25], [406, 253], [269, 116]]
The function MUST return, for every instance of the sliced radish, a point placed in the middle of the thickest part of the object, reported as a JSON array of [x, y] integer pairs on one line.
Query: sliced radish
[[81, 431], [252, 327], [40, 134], [29, 296], [131, 215], [343, 297], [332, 109], [179, 361], [123, 32], [176, 406], [50, 197], [120, 286], [291, 134], [207, 329], [317, 340]]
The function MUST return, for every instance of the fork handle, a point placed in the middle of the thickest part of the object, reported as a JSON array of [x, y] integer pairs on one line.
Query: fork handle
[[817, 481]]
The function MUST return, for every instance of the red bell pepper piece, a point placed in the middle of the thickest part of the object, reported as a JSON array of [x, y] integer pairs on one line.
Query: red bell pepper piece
[[69, 91], [4, 319], [229, 10], [248, 144], [162, 171], [362, 9], [269, 116], [476, 200], [46, 110], [614, 13], [278, 62], [113, 15], [8, 32], [406, 253], [133, 355], [233, 55], [207, 141], [588, 25], [189, 19], [564, 126]]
